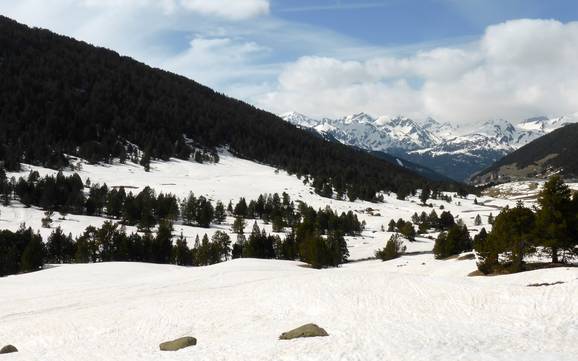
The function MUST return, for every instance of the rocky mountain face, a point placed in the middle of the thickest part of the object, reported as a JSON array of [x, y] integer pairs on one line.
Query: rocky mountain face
[[442, 147]]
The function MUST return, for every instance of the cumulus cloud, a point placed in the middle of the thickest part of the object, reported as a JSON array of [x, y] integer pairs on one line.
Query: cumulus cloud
[[517, 69]]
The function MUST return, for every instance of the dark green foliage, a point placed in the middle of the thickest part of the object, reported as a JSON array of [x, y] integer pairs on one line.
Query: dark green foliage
[[478, 220], [162, 247], [239, 225], [556, 220], [393, 248], [20, 251], [220, 214], [512, 233], [60, 247], [425, 194], [62, 96], [34, 254], [391, 226], [408, 231], [453, 242], [446, 221], [551, 227]]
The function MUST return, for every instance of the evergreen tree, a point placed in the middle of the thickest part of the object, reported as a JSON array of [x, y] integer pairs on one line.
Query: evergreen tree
[[60, 248], [33, 256], [220, 215], [425, 194], [453, 242], [391, 226], [512, 233], [239, 225], [555, 217], [146, 159], [163, 242], [478, 220], [393, 248], [241, 208]]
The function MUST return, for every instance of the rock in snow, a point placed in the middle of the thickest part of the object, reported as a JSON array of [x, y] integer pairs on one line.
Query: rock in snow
[[308, 330], [8, 349], [178, 344]]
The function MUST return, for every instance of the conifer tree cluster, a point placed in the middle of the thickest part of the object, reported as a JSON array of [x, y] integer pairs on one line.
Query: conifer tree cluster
[[453, 242], [314, 236], [21, 251], [551, 229]]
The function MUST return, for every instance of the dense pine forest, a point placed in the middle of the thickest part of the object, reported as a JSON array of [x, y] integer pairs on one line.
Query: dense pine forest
[[59, 96]]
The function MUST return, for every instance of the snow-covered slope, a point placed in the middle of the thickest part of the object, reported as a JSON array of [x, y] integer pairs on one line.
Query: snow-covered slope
[[229, 180], [412, 308], [447, 149]]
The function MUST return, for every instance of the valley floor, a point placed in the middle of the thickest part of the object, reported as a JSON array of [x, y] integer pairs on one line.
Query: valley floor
[[412, 308]]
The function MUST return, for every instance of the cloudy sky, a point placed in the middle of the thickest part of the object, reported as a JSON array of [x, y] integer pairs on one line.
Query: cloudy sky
[[463, 61]]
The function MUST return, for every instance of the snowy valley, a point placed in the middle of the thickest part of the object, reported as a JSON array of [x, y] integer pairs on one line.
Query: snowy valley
[[411, 308]]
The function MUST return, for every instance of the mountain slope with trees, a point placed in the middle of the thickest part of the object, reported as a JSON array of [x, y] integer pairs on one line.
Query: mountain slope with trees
[[61, 96], [554, 152]]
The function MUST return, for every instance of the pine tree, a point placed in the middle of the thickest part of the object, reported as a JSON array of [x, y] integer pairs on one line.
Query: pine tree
[[33, 256], [393, 248], [60, 248], [164, 243], [391, 226], [239, 225], [146, 159], [555, 217], [220, 215], [47, 220], [425, 194], [478, 220]]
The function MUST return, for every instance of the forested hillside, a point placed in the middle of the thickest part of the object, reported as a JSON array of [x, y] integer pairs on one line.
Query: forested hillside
[[61, 96], [555, 151]]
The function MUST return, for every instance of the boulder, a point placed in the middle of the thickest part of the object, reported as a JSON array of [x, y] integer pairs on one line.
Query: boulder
[[178, 344], [308, 330], [8, 349]]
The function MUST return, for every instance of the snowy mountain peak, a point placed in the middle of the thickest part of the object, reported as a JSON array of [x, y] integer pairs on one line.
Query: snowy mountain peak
[[299, 119], [359, 118]]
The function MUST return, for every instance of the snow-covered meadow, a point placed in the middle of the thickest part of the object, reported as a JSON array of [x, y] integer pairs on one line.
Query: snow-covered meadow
[[231, 179], [411, 308]]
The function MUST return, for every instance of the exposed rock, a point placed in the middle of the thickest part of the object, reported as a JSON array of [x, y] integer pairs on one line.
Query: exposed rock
[[178, 344], [8, 349], [308, 330]]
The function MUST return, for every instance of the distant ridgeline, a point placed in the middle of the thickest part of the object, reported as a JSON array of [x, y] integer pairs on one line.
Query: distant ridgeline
[[556, 152], [61, 96]]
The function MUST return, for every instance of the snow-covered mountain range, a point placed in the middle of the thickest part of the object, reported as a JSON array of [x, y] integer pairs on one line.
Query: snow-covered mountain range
[[443, 147]]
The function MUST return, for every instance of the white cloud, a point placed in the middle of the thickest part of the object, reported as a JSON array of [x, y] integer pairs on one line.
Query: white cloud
[[517, 69], [206, 58], [230, 9]]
